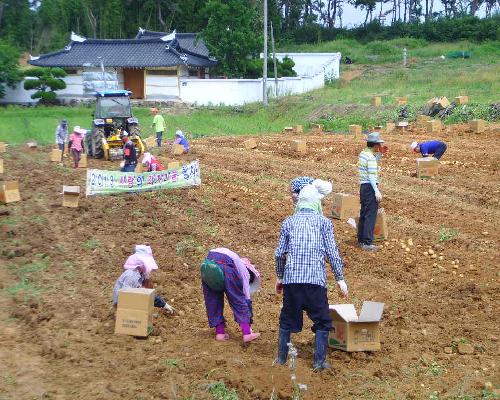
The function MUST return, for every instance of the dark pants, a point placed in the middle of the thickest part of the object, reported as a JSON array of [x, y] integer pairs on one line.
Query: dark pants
[[367, 214], [440, 151], [61, 147], [159, 135], [76, 157], [128, 168], [300, 297]]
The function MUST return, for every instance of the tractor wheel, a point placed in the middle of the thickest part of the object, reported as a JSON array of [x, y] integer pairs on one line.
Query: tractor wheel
[[97, 137], [88, 144]]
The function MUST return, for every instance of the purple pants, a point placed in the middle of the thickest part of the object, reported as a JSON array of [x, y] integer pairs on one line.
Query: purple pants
[[233, 288]]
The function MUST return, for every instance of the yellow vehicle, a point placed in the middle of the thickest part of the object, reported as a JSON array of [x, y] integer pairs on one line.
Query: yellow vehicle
[[113, 116]]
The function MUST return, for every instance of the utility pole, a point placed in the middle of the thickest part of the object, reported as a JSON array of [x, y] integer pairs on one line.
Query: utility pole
[[274, 62], [264, 64]]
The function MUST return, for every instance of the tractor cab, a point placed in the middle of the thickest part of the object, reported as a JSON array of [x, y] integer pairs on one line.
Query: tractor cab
[[112, 116]]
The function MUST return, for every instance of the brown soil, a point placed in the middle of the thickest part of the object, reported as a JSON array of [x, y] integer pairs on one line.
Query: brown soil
[[60, 343]]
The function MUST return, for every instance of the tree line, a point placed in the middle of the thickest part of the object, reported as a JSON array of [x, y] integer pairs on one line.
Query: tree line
[[39, 26]]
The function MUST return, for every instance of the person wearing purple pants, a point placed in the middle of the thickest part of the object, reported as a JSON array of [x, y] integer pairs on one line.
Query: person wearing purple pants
[[224, 272]]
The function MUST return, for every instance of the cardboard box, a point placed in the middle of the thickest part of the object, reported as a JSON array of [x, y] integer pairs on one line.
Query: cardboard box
[[423, 119], [134, 311], [355, 130], [376, 101], [317, 128], [345, 206], [433, 126], [173, 165], [402, 125], [401, 101], [32, 145], [442, 101], [353, 333], [427, 167], [3, 147], [389, 127], [380, 232], [250, 144], [9, 191], [288, 129], [56, 155], [177, 149], [1, 165], [83, 161], [298, 129], [461, 100], [71, 195], [299, 146], [150, 141], [477, 125]]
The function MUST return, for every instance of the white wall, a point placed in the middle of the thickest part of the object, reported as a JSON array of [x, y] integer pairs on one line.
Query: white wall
[[241, 91], [160, 87], [18, 95]]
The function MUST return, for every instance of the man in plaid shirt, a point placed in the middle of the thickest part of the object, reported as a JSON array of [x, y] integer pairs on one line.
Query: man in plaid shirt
[[305, 239]]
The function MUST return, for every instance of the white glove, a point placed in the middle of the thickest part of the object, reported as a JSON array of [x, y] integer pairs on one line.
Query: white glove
[[169, 308], [378, 196], [343, 288]]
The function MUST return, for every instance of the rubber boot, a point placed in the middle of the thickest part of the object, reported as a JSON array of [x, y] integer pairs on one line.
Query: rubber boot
[[283, 340], [320, 348]]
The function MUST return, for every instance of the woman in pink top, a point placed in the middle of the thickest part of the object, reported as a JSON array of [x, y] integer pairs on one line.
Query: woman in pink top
[[223, 271], [75, 144]]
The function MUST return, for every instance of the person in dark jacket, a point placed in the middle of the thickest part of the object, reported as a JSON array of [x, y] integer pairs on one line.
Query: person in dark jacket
[[129, 154]]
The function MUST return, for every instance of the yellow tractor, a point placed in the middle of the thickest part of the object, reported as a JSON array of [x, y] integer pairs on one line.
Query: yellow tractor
[[113, 116]]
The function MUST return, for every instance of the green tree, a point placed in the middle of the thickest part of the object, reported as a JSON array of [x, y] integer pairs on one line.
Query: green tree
[[10, 74], [232, 35], [46, 81]]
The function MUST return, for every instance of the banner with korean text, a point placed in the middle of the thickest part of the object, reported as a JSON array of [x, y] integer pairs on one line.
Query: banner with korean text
[[113, 182]]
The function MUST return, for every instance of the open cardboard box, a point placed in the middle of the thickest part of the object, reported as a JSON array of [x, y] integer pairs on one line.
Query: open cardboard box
[[71, 195], [356, 333]]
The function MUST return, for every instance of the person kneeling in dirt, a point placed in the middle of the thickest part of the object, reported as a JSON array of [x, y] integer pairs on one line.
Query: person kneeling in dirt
[[151, 163], [75, 144], [297, 184], [433, 148], [305, 239], [223, 271], [138, 268], [181, 139], [129, 154]]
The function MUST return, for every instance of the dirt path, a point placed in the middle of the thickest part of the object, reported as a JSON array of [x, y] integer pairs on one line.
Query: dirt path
[[56, 332]]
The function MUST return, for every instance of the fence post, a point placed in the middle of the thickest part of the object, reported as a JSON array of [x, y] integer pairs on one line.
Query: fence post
[[405, 57]]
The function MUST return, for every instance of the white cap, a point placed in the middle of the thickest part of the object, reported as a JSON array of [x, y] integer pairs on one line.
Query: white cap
[[324, 187], [414, 145], [310, 194], [179, 133]]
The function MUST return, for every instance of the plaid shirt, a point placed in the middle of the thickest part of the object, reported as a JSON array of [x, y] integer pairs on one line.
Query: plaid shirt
[[305, 239]]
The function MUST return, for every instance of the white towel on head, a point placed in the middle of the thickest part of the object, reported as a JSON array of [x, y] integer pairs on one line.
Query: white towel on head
[[324, 187]]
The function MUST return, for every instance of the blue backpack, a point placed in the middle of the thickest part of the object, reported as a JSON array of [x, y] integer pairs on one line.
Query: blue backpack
[[212, 275]]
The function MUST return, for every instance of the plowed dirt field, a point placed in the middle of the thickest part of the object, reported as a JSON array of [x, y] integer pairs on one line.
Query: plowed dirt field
[[58, 267]]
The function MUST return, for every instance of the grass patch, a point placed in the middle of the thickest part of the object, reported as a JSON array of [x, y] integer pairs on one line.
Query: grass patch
[[92, 243], [435, 369], [27, 289], [427, 76], [447, 234], [172, 363], [186, 244], [219, 391]]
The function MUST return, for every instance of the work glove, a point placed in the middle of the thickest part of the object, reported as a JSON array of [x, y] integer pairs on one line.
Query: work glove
[[279, 286], [378, 196], [343, 288], [169, 308]]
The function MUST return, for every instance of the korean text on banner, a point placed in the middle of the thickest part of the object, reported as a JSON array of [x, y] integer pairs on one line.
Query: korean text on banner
[[113, 182]]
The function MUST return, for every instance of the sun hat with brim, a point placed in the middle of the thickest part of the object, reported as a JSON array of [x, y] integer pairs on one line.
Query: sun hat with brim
[[374, 137], [179, 133], [255, 279], [142, 258]]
